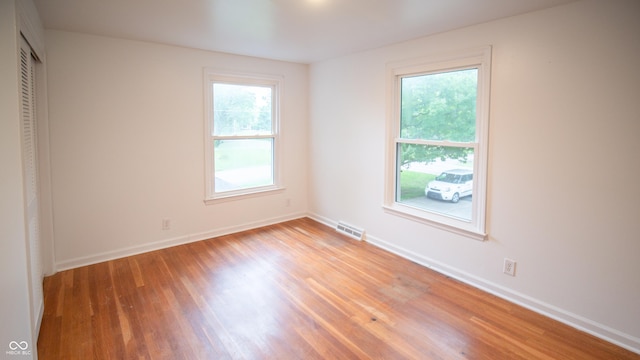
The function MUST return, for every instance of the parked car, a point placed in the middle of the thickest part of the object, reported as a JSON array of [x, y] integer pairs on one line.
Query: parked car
[[451, 185]]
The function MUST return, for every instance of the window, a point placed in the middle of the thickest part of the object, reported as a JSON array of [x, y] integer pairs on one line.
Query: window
[[241, 135], [438, 133]]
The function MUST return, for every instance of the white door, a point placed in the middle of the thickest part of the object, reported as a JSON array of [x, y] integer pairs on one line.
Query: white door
[[30, 169]]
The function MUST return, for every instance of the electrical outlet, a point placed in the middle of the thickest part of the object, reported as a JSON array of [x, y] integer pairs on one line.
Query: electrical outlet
[[509, 267], [166, 224]]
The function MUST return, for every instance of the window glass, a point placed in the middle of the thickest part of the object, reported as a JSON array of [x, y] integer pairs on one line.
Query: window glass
[[241, 110], [440, 106], [436, 179], [242, 164], [241, 155]]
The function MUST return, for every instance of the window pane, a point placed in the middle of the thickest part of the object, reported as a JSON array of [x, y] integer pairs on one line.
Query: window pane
[[242, 164], [440, 106], [436, 178], [241, 110]]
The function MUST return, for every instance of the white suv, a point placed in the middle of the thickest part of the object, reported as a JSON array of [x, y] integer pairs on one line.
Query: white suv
[[451, 185]]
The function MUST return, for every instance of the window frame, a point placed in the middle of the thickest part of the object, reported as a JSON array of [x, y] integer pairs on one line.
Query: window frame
[[212, 76], [475, 58]]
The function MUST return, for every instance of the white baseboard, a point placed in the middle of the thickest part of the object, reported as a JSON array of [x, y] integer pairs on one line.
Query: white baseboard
[[596, 329], [166, 243], [323, 220]]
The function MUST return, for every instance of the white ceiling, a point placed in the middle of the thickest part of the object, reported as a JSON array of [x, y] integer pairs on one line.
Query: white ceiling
[[294, 30]]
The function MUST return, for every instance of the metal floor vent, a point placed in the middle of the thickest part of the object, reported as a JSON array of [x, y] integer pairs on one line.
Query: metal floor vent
[[350, 231]]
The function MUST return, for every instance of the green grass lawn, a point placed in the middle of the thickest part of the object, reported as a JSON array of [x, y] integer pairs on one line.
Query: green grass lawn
[[412, 184], [238, 154]]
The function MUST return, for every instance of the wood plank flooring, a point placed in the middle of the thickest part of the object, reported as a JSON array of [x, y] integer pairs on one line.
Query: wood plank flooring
[[296, 290]]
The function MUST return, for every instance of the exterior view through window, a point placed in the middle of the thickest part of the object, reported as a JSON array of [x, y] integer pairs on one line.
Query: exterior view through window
[[243, 138], [436, 147], [437, 128]]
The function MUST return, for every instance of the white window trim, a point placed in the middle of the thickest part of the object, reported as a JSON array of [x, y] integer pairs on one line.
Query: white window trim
[[481, 59], [212, 75]]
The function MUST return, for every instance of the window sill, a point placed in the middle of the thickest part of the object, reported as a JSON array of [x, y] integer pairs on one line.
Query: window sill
[[441, 222], [234, 196]]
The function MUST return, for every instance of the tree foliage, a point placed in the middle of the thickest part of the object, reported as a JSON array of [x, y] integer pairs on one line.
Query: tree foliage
[[241, 110], [440, 107]]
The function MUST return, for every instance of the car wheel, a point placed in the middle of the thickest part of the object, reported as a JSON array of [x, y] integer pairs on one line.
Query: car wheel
[[455, 198]]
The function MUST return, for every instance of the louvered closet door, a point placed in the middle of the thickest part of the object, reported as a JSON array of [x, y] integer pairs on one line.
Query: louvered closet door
[[30, 161]]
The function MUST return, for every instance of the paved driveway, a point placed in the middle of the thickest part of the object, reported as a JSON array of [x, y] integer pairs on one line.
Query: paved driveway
[[461, 209]]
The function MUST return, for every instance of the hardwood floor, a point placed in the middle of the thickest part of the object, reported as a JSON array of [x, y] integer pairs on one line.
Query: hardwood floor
[[296, 290]]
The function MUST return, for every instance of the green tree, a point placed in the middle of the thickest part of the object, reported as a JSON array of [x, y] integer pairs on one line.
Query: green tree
[[240, 109], [440, 107]]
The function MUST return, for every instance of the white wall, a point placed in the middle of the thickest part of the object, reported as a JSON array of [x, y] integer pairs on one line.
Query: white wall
[[14, 281], [563, 200], [127, 147]]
